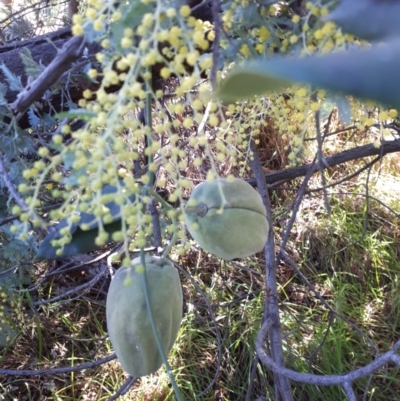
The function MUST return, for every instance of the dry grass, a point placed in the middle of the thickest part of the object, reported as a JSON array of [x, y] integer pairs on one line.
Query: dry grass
[[350, 257]]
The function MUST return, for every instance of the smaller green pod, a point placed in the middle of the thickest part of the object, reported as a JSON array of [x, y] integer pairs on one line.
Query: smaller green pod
[[128, 320], [227, 218]]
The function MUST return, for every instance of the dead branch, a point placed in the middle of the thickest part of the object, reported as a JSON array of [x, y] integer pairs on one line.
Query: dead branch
[[271, 308], [71, 51], [358, 152], [323, 380]]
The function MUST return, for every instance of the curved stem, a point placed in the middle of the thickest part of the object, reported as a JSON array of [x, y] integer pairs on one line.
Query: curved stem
[[149, 124], [174, 238], [154, 327], [148, 189], [159, 199]]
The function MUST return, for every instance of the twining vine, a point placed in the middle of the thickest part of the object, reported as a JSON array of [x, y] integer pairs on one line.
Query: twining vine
[[149, 119]]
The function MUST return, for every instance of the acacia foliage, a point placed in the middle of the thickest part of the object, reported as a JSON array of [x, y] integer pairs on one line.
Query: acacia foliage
[[164, 133]]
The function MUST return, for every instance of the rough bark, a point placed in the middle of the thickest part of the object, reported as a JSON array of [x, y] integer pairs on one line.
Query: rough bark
[[44, 50], [358, 152]]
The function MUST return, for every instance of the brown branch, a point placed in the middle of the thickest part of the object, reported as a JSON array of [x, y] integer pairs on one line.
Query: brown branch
[[10, 186], [271, 308], [70, 52], [323, 380], [358, 152], [68, 369], [44, 50]]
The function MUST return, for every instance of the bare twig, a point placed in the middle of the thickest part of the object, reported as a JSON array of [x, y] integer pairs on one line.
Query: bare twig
[[348, 177], [8, 220], [10, 186], [70, 52], [157, 242], [34, 372], [303, 278], [253, 372], [69, 267], [357, 152], [10, 270], [130, 381], [296, 205], [217, 332], [322, 380], [271, 309], [79, 288], [348, 389], [374, 198], [321, 158], [315, 352]]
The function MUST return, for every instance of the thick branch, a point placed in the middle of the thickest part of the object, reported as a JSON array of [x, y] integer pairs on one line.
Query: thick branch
[[68, 369], [339, 158], [70, 52], [322, 380], [271, 309], [45, 50]]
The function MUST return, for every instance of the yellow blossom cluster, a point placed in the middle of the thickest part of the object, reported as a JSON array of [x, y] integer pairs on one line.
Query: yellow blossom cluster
[[139, 132], [116, 147], [12, 317]]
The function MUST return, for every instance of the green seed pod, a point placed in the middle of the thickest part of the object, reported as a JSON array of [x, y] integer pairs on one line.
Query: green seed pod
[[128, 320], [227, 218]]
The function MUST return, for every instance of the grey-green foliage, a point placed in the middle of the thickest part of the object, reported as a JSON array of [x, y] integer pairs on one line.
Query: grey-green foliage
[[365, 72], [12, 250], [368, 19], [18, 148], [13, 274], [31, 67], [82, 241]]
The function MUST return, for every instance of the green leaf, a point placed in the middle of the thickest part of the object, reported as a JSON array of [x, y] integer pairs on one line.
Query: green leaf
[[82, 114], [342, 105], [368, 19], [369, 73], [82, 241], [14, 82], [34, 120], [3, 91], [132, 16], [31, 67]]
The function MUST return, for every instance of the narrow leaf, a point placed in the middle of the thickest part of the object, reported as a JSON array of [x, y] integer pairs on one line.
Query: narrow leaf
[[32, 68], [3, 91], [368, 19], [34, 120], [82, 241], [82, 114], [13, 81], [368, 73]]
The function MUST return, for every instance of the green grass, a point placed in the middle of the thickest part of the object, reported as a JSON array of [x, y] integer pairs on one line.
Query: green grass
[[352, 262]]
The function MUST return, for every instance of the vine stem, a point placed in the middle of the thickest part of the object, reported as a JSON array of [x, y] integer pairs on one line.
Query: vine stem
[[174, 238], [343, 379], [271, 309], [154, 327], [148, 189]]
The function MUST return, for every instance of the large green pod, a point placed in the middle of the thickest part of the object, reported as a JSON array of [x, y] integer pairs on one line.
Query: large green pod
[[128, 320], [227, 218]]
